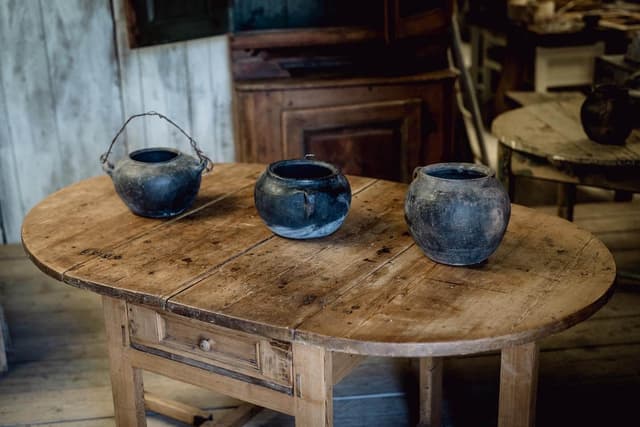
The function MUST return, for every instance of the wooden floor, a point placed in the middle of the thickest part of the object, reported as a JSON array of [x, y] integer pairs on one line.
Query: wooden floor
[[589, 375]]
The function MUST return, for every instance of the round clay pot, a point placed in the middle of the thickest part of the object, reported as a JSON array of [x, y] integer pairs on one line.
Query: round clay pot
[[302, 198], [157, 182], [457, 212], [606, 114]]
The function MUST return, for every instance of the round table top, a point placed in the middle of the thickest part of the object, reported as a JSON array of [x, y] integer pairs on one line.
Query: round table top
[[365, 289], [552, 130]]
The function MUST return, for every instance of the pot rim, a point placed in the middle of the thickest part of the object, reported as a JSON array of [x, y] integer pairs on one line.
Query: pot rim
[[486, 171], [334, 170], [177, 153]]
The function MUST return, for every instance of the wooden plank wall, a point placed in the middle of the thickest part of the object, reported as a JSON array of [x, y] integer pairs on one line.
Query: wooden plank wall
[[67, 83]]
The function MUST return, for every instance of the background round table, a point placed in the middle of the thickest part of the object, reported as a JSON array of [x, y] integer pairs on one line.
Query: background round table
[[309, 306], [546, 141]]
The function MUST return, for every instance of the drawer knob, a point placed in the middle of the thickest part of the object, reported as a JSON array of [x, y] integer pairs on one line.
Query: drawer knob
[[205, 344]]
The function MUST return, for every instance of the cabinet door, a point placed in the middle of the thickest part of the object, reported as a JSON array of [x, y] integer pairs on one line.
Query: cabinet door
[[416, 18], [380, 139]]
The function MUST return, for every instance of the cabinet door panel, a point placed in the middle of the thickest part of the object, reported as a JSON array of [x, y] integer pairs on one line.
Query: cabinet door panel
[[351, 149], [381, 139]]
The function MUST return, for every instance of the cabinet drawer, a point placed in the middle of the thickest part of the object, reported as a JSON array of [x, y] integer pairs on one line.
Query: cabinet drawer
[[200, 343]]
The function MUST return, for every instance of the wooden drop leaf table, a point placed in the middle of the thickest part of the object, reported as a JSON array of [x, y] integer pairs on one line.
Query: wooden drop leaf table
[[213, 298]]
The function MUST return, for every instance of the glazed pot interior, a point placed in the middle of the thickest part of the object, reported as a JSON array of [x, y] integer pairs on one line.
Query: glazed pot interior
[[456, 173], [302, 171], [153, 155]]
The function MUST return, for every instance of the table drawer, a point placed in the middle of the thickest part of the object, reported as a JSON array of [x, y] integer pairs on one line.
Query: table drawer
[[201, 343]]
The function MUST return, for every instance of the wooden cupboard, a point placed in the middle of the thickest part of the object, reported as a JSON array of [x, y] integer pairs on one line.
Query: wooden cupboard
[[381, 127], [373, 95]]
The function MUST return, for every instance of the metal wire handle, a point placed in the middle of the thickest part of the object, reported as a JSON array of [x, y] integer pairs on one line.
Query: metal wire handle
[[203, 158]]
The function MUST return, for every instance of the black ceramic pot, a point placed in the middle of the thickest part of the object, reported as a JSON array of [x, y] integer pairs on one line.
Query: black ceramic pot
[[302, 198], [457, 212], [157, 182], [606, 114]]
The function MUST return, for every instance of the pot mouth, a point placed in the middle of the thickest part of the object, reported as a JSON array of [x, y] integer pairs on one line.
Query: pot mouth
[[458, 171], [154, 155], [303, 170]]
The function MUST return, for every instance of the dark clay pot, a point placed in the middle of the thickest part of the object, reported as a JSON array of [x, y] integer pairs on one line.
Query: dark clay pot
[[606, 114], [303, 198], [457, 212], [157, 182]]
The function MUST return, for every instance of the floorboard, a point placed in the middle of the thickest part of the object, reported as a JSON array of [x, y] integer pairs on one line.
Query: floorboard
[[589, 374]]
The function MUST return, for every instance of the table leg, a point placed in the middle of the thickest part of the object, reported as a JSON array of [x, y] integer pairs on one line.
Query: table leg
[[126, 381], [505, 175], [518, 385], [430, 392], [313, 387], [566, 200]]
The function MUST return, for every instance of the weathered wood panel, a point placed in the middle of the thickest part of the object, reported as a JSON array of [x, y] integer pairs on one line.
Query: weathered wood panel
[[187, 81], [8, 175], [66, 86], [84, 82], [31, 125]]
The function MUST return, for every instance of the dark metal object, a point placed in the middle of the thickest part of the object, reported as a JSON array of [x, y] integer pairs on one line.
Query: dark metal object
[[302, 198], [457, 212], [606, 114], [157, 182]]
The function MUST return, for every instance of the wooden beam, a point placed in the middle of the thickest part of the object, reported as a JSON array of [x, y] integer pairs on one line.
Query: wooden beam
[[126, 380], [430, 392], [238, 389], [518, 385], [177, 410], [236, 418], [343, 364], [313, 389]]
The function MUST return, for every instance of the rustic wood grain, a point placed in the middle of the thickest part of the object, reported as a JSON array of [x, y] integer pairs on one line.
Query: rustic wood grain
[[126, 380], [261, 396], [64, 100], [430, 391], [282, 284], [188, 81], [366, 289], [9, 190], [230, 227], [84, 83], [421, 103], [518, 385], [32, 143], [104, 222], [312, 370], [406, 116], [235, 418], [343, 364], [177, 410], [303, 37]]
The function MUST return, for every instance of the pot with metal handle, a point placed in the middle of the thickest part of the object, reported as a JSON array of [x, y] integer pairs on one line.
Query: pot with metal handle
[[157, 182]]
